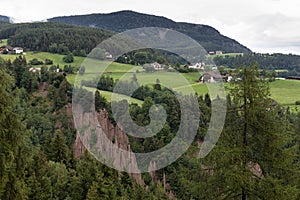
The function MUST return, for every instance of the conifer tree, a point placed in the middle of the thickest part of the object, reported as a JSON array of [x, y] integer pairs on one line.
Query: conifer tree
[[12, 143], [251, 160]]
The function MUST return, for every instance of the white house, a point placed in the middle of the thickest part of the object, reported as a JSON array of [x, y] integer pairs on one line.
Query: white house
[[211, 77], [108, 55], [157, 66], [18, 50], [214, 68], [219, 52], [197, 66]]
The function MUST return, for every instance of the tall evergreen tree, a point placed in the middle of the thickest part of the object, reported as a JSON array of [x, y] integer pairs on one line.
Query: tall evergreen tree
[[59, 151], [250, 160], [12, 144]]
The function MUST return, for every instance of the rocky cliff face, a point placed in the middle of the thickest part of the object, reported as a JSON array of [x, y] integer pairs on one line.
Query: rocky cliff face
[[95, 141]]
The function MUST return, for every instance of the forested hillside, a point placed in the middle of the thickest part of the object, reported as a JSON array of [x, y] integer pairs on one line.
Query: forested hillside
[[207, 36], [53, 37], [4, 19], [257, 156], [278, 61], [37, 144]]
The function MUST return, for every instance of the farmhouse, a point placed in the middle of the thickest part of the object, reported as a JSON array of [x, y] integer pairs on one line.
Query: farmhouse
[[6, 49], [9, 49], [157, 66], [219, 52], [18, 50], [197, 66], [211, 77], [108, 55]]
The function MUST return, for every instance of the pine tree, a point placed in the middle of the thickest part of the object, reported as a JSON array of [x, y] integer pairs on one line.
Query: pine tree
[[250, 160], [59, 151], [12, 144], [38, 182], [102, 188]]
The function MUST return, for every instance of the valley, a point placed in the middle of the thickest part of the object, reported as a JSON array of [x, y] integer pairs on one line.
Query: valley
[[72, 128]]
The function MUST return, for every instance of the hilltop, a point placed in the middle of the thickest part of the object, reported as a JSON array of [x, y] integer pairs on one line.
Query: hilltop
[[210, 38], [4, 19]]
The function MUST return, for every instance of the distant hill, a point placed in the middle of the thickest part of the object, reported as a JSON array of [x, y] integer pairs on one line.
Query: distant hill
[[207, 36], [4, 19]]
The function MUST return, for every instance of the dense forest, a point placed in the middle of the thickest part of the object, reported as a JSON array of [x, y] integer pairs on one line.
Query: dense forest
[[37, 140], [257, 156], [121, 21], [53, 37], [276, 61]]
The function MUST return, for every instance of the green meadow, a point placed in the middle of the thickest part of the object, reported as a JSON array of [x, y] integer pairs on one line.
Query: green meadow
[[285, 92], [226, 54], [117, 97], [42, 56]]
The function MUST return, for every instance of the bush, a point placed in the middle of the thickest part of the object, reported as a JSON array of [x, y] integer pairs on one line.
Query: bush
[[48, 61], [69, 69], [297, 103], [35, 62], [68, 58], [4, 52]]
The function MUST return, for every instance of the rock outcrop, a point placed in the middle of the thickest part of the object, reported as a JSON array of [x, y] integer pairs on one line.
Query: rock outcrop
[[105, 141]]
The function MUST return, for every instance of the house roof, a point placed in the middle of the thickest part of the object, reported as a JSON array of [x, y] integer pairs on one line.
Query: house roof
[[8, 47], [213, 74]]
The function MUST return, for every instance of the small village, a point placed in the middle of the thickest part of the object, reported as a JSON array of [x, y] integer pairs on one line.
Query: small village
[[5, 49]]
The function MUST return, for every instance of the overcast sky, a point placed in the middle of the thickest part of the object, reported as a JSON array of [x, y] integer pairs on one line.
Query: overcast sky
[[262, 25]]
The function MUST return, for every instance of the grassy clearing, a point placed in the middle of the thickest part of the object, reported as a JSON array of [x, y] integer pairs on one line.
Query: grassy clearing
[[227, 54], [286, 92], [56, 58], [117, 97]]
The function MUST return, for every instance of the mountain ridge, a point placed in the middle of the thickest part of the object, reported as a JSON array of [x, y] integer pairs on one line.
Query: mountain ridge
[[4, 19], [210, 38]]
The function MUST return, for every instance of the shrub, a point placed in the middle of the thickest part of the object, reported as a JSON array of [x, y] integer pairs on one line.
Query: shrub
[[68, 58], [35, 62], [48, 61]]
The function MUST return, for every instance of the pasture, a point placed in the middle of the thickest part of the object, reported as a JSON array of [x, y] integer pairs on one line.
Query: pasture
[[41, 56], [285, 92]]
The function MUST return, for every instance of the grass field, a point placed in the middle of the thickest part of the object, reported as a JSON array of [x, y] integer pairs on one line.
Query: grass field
[[286, 92], [226, 54], [117, 97], [56, 58]]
